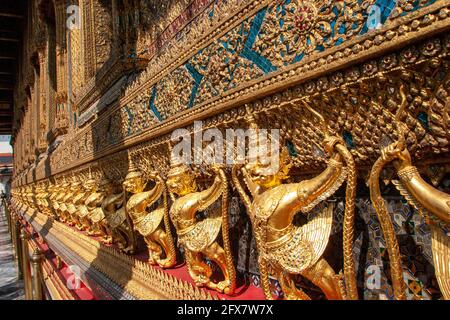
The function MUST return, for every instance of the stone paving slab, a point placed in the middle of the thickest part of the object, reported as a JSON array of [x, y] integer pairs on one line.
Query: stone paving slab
[[10, 287]]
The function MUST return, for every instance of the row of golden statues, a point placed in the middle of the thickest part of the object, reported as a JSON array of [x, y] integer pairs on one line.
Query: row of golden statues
[[114, 213]]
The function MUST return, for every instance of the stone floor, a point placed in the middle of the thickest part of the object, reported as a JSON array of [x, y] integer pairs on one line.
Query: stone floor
[[10, 287]]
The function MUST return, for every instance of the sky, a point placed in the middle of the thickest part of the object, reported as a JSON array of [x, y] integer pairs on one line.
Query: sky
[[5, 147]]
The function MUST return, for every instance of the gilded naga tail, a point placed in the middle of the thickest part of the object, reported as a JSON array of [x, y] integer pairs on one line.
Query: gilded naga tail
[[348, 225], [225, 232], [258, 232], [388, 229], [349, 214], [383, 214], [172, 254], [132, 237]]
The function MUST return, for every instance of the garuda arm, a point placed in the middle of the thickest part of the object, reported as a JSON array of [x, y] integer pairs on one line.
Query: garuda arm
[[207, 197], [311, 192], [155, 193], [411, 185], [417, 192]]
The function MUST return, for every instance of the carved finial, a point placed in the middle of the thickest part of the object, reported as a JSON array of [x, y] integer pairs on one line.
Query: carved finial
[[173, 160], [131, 165]]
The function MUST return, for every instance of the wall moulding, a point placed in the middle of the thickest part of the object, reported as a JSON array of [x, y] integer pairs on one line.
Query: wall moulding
[[137, 279], [290, 99]]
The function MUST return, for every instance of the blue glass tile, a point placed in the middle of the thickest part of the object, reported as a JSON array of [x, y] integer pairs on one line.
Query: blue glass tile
[[197, 80], [298, 57], [291, 149], [422, 117], [348, 138], [261, 62], [342, 29], [130, 119], [152, 104]]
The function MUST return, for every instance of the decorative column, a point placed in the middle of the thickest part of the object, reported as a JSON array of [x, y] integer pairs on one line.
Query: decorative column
[[97, 34], [20, 147], [29, 156], [26, 266], [76, 58], [35, 104], [42, 121], [31, 127], [87, 21], [18, 248], [23, 144], [59, 264], [115, 28], [61, 119], [50, 77], [38, 279]]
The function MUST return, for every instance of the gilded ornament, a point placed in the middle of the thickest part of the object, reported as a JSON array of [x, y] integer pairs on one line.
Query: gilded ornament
[[200, 239], [152, 224]]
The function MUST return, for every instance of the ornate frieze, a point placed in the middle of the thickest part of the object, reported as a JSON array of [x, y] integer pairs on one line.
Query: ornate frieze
[[130, 124], [348, 103]]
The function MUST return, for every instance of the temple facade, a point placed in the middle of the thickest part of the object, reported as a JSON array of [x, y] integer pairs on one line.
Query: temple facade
[[354, 95]]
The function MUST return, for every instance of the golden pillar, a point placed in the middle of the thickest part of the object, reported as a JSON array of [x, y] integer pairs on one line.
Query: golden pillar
[[26, 266], [59, 264], [13, 236], [18, 247], [38, 279]]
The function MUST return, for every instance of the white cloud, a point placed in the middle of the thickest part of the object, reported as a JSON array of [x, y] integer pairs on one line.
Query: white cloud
[[5, 147]]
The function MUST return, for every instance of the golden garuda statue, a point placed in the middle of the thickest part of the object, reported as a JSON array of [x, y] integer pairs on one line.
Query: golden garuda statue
[[53, 192], [153, 225], [76, 208], [46, 189], [284, 249], [67, 191], [113, 207], [56, 198], [200, 239], [96, 218], [29, 196], [37, 196], [431, 203], [83, 210]]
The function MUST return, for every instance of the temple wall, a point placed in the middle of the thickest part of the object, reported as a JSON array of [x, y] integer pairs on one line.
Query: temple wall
[[133, 72]]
